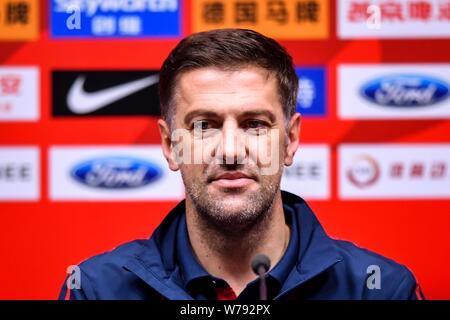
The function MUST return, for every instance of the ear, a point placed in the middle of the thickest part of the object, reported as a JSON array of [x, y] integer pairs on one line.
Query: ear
[[293, 138], [166, 144]]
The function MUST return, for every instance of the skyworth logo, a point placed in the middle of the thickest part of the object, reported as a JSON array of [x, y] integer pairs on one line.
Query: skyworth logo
[[115, 18]]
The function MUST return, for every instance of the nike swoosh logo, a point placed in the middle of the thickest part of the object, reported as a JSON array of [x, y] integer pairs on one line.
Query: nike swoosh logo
[[82, 102]]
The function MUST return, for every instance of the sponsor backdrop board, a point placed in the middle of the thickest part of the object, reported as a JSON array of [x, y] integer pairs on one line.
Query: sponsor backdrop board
[[80, 165]]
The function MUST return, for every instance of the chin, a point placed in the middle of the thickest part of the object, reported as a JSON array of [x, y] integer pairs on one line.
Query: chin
[[224, 203]]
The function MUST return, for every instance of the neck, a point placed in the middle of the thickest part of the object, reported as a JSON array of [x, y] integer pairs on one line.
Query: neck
[[229, 257]]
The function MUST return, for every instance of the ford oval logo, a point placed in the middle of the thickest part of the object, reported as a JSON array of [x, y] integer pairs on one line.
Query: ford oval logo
[[116, 173], [405, 91]]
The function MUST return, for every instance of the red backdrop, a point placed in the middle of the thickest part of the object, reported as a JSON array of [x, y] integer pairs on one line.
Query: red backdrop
[[39, 240]]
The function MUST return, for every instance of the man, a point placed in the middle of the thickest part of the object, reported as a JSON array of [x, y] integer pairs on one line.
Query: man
[[229, 125]]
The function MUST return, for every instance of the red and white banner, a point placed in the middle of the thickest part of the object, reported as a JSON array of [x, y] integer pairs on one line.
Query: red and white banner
[[393, 19]]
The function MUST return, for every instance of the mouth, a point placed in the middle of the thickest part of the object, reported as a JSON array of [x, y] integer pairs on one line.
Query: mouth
[[232, 180]]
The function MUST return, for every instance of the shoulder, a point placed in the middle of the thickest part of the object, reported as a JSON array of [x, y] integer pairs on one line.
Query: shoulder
[[116, 257], [374, 275], [104, 275]]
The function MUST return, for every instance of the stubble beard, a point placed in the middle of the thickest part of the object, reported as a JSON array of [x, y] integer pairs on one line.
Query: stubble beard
[[227, 226]]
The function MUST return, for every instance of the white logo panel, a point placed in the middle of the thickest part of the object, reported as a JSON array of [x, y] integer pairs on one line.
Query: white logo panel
[[112, 173], [309, 175], [394, 171], [19, 174], [394, 91], [19, 94], [394, 19]]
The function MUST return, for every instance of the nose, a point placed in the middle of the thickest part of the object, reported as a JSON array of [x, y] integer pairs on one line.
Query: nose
[[233, 144]]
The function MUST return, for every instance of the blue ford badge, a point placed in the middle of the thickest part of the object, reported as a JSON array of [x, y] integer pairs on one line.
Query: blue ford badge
[[405, 91], [116, 173]]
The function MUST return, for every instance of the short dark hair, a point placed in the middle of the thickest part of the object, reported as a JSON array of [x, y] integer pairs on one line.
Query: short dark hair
[[229, 49]]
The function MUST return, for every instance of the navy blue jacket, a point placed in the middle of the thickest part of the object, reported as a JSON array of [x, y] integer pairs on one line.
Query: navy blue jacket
[[325, 268]]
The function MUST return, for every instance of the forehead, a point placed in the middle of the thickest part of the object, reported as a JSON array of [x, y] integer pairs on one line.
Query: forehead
[[227, 90]]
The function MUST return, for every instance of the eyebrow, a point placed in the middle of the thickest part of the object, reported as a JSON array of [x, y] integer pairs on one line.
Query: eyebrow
[[207, 113], [265, 113], [190, 115]]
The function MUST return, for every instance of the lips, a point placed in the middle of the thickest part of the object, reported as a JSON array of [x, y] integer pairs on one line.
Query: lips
[[232, 180]]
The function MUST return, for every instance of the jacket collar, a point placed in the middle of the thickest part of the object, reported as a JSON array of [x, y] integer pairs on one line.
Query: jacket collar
[[317, 251], [156, 262]]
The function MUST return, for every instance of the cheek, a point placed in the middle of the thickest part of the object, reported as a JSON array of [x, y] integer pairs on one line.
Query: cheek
[[268, 149], [284, 142], [192, 173], [272, 179]]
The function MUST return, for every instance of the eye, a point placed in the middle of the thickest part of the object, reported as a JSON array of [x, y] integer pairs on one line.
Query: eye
[[255, 126], [201, 125], [203, 128]]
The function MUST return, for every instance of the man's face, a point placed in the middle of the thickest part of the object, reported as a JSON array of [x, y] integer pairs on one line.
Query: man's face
[[234, 132]]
